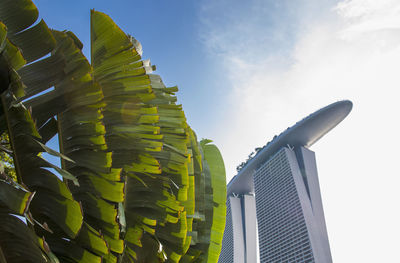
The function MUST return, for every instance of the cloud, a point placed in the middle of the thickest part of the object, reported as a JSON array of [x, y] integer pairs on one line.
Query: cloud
[[327, 60], [255, 47], [310, 58]]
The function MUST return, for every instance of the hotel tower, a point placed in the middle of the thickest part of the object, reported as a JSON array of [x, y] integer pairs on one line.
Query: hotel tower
[[274, 207]]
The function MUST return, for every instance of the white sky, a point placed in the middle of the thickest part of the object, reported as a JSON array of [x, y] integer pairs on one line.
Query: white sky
[[340, 50]]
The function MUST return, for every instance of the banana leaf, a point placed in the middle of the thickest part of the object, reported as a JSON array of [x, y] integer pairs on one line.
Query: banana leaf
[[18, 243], [216, 166], [53, 210], [81, 137], [136, 102], [210, 212], [136, 186]]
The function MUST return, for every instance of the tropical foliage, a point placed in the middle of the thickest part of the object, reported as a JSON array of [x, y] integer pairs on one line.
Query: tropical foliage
[[134, 184]]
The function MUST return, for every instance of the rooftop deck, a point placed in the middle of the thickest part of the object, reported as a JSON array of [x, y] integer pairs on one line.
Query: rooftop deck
[[304, 133]]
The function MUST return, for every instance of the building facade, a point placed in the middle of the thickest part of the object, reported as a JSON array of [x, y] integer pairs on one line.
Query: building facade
[[274, 207]]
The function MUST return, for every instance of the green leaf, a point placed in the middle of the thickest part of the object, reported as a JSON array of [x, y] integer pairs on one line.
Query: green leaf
[[43, 74], [63, 212], [65, 174], [91, 239], [18, 14], [13, 55], [18, 243], [68, 249], [218, 183], [140, 171], [39, 34], [15, 198], [53, 152], [116, 245], [99, 186], [108, 40], [40, 179], [173, 237]]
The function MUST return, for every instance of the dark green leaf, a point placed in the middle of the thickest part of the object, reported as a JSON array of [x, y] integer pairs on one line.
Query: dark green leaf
[[15, 198], [18, 14]]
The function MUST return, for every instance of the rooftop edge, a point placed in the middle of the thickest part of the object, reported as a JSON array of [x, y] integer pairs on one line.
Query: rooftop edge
[[305, 133]]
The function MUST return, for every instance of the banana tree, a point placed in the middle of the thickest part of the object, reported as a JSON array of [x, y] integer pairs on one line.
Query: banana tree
[[134, 184]]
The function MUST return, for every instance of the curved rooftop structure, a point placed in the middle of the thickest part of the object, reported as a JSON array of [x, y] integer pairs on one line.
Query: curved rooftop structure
[[304, 133]]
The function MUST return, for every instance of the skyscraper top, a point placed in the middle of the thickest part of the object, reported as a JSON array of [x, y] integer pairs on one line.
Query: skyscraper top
[[304, 133]]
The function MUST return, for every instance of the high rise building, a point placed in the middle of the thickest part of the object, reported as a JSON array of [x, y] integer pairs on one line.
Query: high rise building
[[274, 207]]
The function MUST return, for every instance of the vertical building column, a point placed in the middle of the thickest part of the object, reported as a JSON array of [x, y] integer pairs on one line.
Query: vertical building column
[[304, 170], [238, 230], [319, 228], [250, 226]]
